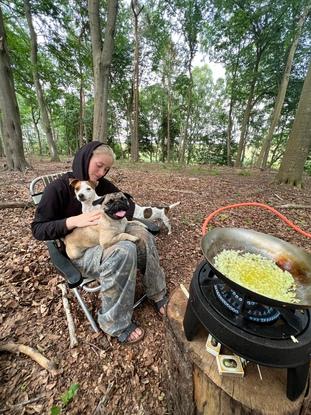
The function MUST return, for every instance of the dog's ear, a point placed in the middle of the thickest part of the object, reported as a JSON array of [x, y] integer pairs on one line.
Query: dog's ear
[[98, 201], [128, 196], [73, 181]]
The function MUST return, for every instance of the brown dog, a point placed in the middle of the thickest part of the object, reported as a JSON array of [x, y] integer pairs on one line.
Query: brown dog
[[110, 229]]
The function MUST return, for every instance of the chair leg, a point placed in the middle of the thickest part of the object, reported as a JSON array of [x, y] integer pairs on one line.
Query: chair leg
[[141, 300], [86, 310]]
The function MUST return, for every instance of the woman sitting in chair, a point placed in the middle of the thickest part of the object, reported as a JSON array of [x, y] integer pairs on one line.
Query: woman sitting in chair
[[59, 212]]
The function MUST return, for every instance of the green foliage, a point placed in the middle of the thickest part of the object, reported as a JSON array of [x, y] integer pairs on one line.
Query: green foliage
[[55, 410], [69, 394], [66, 398], [171, 35]]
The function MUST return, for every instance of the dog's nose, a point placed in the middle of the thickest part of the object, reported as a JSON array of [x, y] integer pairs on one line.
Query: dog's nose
[[81, 197]]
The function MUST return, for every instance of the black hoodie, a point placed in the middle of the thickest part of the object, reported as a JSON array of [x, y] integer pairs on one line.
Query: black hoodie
[[58, 201]]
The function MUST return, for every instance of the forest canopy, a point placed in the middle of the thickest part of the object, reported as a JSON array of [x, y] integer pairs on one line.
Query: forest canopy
[[152, 60]]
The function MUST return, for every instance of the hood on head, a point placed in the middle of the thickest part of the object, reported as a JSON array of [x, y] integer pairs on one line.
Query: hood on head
[[81, 161]]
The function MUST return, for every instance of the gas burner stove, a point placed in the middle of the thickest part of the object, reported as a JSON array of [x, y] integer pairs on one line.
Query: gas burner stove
[[237, 304], [257, 332]]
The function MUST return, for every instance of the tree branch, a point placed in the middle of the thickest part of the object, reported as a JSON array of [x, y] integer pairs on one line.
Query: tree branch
[[292, 206], [15, 204], [49, 365], [70, 322]]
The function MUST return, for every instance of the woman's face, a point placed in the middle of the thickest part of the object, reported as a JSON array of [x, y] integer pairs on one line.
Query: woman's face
[[99, 166]]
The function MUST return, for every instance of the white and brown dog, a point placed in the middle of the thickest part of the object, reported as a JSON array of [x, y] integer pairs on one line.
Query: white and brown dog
[[85, 193], [154, 213], [110, 229]]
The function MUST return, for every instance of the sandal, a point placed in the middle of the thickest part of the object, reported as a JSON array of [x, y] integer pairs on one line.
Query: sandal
[[124, 336], [161, 304]]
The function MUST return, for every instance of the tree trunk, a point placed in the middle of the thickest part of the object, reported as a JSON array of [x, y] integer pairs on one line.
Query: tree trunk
[[168, 127], [102, 58], [264, 153], [81, 111], [277, 149], [9, 111], [95, 29], [232, 102], [171, 58], [184, 141], [45, 120], [246, 116], [35, 123], [135, 115], [229, 133], [299, 142], [1, 138], [128, 109]]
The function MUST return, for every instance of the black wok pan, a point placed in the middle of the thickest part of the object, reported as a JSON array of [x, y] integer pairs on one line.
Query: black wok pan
[[295, 260]]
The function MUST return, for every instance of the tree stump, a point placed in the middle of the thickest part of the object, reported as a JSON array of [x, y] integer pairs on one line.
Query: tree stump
[[195, 387]]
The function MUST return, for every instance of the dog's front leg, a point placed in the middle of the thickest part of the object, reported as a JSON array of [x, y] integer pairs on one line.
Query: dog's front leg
[[167, 224], [107, 242]]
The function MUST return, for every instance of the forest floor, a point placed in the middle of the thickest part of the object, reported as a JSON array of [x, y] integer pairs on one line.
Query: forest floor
[[129, 378]]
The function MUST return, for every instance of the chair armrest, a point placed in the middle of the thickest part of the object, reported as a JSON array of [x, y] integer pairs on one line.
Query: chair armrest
[[64, 266], [152, 227]]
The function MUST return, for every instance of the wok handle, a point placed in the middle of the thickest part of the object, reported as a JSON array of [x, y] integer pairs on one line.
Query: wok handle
[[262, 205]]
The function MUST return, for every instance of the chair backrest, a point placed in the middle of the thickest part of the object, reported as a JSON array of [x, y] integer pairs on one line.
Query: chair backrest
[[38, 184]]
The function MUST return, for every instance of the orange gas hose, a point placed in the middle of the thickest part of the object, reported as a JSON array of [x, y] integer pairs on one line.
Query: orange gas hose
[[262, 205]]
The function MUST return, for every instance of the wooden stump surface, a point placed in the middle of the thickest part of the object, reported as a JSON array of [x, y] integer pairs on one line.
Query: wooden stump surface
[[212, 393]]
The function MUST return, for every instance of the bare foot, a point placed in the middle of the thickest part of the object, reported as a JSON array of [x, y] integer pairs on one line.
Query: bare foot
[[162, 311], [135, 335]]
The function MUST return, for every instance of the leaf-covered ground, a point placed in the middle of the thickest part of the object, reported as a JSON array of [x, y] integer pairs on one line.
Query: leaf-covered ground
[[127, 379]]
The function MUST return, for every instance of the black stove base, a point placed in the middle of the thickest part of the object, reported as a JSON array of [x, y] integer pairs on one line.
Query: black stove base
[[282, 353]]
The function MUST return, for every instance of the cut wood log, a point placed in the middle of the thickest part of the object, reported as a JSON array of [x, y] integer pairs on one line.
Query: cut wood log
[[15, 204], [47, 364], [194, 385], [70, 322]]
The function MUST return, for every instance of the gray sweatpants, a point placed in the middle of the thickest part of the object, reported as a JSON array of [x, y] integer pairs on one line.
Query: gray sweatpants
[[116, 269]]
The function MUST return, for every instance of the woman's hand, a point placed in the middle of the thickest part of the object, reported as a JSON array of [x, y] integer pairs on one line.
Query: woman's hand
[[85, 219]]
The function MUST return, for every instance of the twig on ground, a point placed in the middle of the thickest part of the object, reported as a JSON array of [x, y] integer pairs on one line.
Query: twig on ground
[[191, 192], [47, 364], [279, 197], [96, 347], [15, 204], [23, 403], [102, 403], [292, 206], [70, 322], [184, 290]]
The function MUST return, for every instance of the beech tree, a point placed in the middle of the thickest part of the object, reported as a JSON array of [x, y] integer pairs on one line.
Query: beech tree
[[102, 57], [9, 112], [136, 9], [299, 142], [45, 119], [279, 101]]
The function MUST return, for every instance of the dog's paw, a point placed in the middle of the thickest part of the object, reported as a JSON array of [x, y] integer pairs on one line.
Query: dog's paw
[[132, 238]]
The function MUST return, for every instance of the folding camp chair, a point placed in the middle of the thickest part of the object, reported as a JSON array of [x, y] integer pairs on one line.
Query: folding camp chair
[[61, 262]]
